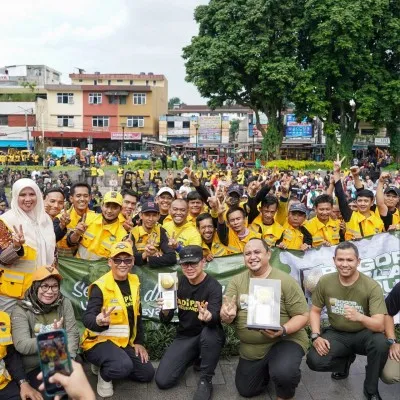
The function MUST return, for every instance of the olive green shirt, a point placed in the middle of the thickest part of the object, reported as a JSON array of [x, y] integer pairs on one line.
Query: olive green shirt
[[253, 344], [365, 295]]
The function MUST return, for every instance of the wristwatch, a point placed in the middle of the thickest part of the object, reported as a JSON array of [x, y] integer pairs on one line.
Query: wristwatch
[[391, 341], [314, 336], [284, 333], [21, 381]]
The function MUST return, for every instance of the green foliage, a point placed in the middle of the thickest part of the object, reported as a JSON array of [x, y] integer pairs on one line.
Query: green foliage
[[233, 129], [172, 101], [244, 52], [17, 97], [147, 164], [299, 165]]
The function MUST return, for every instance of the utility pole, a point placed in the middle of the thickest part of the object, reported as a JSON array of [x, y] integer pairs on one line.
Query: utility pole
[[26, 124]]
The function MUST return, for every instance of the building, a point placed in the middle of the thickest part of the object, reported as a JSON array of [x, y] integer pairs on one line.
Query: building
[[14, 76], [102, 111], [17, 120]]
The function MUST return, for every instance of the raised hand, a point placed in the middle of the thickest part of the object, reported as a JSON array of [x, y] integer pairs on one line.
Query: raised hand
[[355, 170], [337, 165], [172, 242], [65, 219], [18, 237], [103, 319], [194, 178], [228, 308], [384, 176], [81, 227], [213, 202], [204, 314]]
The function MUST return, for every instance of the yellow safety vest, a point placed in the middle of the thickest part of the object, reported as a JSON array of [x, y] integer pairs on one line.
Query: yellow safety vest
[[16, 278], [98, 238], [370, 226], [5, 340], [141, 237], [270, 233], [321, 232], [236, 245], [93, 171], [118, 330], [63, 249], [217, 248], [292, 238]]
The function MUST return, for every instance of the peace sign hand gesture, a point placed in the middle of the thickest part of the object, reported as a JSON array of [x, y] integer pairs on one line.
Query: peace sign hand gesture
[[18, 237], [228, 309], [204, 314], [58, 324], [338, 163], [103, 319], [172, 242]]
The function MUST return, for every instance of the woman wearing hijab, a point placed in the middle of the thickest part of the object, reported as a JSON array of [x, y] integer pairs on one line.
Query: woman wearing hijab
[[27, 240], [42, 309]]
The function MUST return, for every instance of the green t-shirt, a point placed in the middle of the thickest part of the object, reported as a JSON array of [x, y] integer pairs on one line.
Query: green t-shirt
[[253, 344], [365, 295]]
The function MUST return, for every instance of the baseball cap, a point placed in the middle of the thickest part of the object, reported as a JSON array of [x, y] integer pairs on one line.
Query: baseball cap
[[186, 181], [298, 207], [121, 247], [190, 254], [44, 272], [392, 189], [235, 189], [150, 206], [113, 197], [166, 189]]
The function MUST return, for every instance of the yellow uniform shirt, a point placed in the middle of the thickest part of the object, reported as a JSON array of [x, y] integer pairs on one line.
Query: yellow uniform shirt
[[292, 238], [270, 233], [359, 226], [141, 237], [321, 232], [217, 248], [396, 216], [185, 234], [236, 245]]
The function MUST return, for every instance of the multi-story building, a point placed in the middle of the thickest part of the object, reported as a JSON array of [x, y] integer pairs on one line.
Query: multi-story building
[[17, 120], [106, 109], [14, 76]]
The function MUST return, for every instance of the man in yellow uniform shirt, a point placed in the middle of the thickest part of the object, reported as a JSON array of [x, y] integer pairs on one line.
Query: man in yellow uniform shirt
[[99, 232], [265, 223], [323, 229], [387, 202], [181, 232], [362, 222], [114, 335], [150, 240]]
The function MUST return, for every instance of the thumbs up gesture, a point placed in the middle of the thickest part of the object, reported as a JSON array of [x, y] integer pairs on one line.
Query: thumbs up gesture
[[204, 314]]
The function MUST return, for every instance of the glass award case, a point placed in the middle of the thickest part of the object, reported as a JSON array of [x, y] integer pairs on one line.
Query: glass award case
[[167, 287]]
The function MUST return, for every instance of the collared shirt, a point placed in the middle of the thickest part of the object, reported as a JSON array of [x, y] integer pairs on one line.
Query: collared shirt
[[320, 232]]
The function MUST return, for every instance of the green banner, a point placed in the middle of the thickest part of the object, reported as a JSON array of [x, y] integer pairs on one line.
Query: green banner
[[380, 259]]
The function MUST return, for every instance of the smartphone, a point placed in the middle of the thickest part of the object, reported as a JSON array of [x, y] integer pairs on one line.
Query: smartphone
[[54, 357]]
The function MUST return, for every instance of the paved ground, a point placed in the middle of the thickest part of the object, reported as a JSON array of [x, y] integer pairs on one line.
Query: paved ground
[[313, 386]]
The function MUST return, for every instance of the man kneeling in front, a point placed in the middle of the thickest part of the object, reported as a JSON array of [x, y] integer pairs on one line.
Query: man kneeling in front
[[113, 339]]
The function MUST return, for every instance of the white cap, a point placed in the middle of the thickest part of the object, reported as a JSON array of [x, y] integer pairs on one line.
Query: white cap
[[186, 181], [166, 189]]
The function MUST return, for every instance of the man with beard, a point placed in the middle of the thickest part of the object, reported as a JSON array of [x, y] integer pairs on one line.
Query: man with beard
[[79, 197], [96, 234], [150, 241]]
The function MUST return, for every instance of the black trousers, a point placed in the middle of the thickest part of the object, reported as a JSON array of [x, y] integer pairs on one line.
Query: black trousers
[[10, 392], [281, 364], [346, 344], [119, 363], [186, 349]]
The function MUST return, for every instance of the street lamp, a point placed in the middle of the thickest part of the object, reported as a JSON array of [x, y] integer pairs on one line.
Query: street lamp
[[26, 124], [255, 133], [62, 143], [196, 125], [123, 124]]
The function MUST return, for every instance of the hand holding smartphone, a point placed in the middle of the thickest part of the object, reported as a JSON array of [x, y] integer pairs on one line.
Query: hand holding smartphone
[[54, 357]]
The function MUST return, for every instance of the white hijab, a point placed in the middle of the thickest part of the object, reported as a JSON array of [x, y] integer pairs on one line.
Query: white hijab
[[36, 224]]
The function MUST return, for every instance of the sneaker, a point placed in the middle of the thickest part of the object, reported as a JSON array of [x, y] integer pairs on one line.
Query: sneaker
[[95, 369], [375, 396], [204, 390], [104, 389]]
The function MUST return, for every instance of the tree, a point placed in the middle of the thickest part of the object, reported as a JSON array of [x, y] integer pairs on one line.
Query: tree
[[244, 52], [233, 130], [342, 68], [172, 101]]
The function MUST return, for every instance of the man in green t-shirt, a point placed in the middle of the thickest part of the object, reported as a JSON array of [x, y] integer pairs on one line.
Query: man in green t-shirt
[[267, 354], [356, 310]]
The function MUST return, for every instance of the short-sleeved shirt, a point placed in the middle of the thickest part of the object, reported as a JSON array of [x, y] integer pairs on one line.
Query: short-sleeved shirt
[[393, 300], [365, 295], [253, 344]]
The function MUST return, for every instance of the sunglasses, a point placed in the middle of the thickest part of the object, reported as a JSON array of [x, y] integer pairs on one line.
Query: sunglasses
[[126, 261]]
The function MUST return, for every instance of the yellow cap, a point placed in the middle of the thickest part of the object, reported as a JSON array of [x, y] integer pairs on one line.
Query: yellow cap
[[45, 272], [121, 247], [113, 197]]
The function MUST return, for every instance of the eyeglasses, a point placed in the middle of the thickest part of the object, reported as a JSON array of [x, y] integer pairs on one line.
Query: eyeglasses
[[190, 265], [126, 261], [45, 288]]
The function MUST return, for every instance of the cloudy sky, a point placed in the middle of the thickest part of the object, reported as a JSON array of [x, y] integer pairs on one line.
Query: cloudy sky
[[121, 36]]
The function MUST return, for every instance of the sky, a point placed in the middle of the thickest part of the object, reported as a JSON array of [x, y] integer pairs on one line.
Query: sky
[[118, 36]]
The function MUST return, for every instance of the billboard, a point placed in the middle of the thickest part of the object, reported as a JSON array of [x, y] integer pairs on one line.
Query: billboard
[[294, 129]]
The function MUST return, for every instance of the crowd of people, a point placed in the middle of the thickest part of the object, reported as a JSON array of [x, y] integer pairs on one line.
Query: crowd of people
[[191, 217]]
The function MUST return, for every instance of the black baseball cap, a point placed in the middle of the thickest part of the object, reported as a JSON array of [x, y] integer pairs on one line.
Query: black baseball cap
[[190, 254], [150, 206], [392, 189], [235, 189], [298, 207]]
